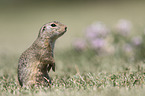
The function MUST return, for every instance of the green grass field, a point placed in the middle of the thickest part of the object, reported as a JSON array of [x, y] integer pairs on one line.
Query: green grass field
[[77, 74]]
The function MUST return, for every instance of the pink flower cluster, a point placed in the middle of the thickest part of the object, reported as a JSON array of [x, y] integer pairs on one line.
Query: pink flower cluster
[[103, 40]]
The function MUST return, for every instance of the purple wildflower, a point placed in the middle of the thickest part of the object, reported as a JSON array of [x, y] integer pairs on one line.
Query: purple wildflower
[[124, 27], [137, 40], [98, 43], [127, 48], [96, 30], [79, 44]]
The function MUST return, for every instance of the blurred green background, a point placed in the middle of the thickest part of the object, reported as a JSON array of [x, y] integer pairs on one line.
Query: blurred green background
[[21, 20]]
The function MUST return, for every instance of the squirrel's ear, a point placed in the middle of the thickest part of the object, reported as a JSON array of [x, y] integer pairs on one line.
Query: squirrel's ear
[[43, 28]]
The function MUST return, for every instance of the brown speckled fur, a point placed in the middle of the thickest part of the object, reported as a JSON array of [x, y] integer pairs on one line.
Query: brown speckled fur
[[35, 63]]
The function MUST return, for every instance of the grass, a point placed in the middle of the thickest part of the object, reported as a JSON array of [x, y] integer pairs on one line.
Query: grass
[[103, 84], [87, 83], [76, 73], [79, 75]]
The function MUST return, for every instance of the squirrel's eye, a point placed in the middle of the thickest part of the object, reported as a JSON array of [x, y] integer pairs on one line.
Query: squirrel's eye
[[53, 25], [44, 28]]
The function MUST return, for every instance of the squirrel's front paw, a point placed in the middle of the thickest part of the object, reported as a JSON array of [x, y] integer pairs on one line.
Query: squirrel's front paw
[[51, 66]]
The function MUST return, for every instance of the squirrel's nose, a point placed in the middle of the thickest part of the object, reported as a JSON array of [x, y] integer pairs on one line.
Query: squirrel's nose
[[65, 28]]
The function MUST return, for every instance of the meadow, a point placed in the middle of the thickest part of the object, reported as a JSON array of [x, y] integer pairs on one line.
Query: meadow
[[115, 66]]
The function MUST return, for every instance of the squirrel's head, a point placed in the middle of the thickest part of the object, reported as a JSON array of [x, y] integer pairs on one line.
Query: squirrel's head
[[52, 30]]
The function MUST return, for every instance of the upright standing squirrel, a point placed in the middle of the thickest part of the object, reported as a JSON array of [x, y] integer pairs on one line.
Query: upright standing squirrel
[[35, 63]]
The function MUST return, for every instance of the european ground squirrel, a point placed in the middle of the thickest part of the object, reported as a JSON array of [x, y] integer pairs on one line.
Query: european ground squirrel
[[35, 63]]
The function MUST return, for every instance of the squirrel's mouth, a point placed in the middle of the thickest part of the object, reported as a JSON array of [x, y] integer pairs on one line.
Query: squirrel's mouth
[[63, 31]]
